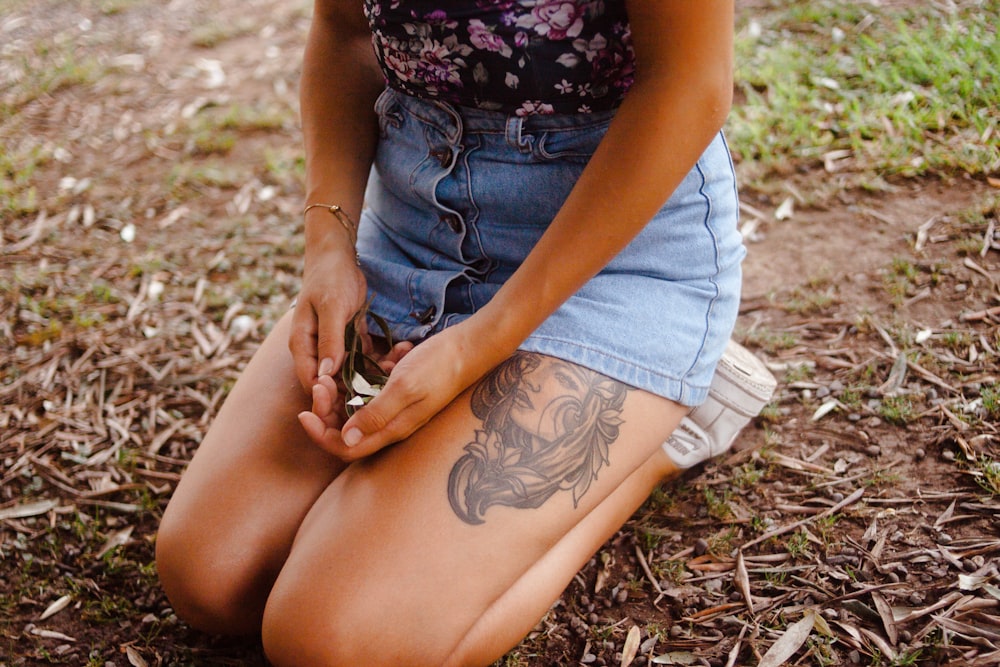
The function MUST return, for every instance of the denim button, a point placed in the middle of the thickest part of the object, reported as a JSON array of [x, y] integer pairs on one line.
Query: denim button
[[425, 316], [452, 221]]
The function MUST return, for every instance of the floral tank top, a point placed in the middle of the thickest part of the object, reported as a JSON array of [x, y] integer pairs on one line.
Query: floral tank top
[[522, 57]]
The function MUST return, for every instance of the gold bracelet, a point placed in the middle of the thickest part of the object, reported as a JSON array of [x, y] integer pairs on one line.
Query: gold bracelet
[[342, 218]]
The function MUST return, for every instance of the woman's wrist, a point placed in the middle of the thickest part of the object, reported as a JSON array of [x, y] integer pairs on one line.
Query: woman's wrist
[[329, 232], [338, 214]]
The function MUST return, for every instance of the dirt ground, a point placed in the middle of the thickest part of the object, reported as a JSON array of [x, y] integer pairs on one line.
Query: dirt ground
[[857, 522]]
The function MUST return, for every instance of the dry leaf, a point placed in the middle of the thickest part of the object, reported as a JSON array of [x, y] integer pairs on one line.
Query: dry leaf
[[48, 634], [607, 560], [56, 607], [116, 539], [785, 210], [28, 509], [825, 409], [675, 658], [885, 613], [790, 642], [742, 580], [134, 657], [631, 647]]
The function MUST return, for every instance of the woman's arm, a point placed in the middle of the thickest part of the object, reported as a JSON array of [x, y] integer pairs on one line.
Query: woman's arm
[[678, 103], [340, 80]]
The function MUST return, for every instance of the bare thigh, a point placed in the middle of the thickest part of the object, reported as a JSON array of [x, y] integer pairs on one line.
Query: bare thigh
[[231, 521], [444, 549]]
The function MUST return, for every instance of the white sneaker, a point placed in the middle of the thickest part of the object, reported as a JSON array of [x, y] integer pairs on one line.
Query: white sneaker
[[740, 389]]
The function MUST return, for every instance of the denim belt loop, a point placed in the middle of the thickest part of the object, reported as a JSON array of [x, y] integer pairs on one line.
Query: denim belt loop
[[514, 134]]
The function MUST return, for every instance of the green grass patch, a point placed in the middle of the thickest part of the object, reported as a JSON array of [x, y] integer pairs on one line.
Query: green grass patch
[[49, 68], [900, 91]]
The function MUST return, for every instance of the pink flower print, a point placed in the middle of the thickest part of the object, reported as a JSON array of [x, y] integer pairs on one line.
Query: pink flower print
[[534, 107], [397, 57], [487, 40], [437, 68], [438, 17], [554, 19]]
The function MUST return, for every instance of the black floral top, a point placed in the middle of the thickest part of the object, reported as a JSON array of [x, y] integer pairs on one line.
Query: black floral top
[[520, 56]]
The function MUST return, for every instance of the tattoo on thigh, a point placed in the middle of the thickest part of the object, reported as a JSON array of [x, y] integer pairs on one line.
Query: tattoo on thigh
[[547, 425]]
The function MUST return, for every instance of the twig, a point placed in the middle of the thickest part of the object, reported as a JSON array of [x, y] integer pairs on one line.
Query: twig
[[851, 499], [649, 573]]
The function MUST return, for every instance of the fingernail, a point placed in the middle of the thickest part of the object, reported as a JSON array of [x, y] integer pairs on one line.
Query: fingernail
[[352, 437], [325, 367]]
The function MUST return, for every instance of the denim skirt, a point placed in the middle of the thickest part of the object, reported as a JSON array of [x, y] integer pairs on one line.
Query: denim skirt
[[458, 197]]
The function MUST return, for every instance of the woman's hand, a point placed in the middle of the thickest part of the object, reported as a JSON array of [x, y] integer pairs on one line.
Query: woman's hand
[[333, 290], [328, 413], [420, 385]]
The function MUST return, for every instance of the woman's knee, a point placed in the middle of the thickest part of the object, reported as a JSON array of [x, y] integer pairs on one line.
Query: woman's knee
[[302, 625], [207, 584]]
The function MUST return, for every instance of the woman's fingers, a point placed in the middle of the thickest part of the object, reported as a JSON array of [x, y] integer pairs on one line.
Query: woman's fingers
[[302, 345], [322, 422]]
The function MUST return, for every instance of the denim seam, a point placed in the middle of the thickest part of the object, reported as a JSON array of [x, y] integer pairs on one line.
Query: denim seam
[[707, 222]]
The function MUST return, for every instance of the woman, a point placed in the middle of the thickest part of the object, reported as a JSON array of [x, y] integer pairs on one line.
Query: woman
[[567, 316]]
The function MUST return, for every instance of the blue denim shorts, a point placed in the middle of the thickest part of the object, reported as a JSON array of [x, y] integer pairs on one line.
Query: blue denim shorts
[[458, 197]]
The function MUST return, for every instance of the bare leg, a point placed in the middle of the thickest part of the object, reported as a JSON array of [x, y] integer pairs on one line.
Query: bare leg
[[230, 524], [446, 549]]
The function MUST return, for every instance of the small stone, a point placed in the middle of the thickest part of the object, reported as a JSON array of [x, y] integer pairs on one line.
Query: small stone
[[594, 619], [854, 656], [916, 599], [676, 631], [874, 451], [822, 392], [893, 577], [700, 547], [919, 453], [874, 422], [948, 455], [969, 566], [906, 635], [836, 496], [588, 659], [622, 596], [854, 417]]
